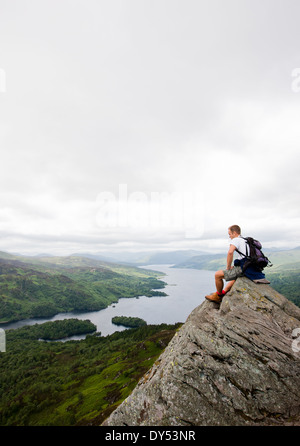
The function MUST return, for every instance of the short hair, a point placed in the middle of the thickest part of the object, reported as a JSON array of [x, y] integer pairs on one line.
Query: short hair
[[235, 228]]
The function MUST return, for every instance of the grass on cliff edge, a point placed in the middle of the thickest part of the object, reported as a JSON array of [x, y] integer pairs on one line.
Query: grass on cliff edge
[[76, 382]]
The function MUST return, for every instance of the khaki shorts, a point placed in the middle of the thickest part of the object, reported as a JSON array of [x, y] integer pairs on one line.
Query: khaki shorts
[[233, 274]]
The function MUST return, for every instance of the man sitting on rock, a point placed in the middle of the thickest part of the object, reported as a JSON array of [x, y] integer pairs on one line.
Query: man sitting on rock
[[233, 272]]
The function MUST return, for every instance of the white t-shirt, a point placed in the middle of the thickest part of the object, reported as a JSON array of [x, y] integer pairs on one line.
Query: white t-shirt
[[241, 245]]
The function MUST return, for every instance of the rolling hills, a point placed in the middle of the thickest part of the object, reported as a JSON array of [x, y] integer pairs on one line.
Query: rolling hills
[[42, 287]]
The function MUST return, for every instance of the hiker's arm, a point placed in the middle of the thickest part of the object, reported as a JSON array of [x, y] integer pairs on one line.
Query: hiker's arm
[[230, 256]]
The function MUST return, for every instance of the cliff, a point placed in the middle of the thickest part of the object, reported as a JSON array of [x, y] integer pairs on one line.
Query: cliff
[[233, 363]]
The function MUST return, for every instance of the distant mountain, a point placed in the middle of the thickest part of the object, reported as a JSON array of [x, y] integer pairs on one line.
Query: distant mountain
[[285, 259], [145, 257], [289, 256], [7, 255], [212, 262], [88, 255], [166, 257]]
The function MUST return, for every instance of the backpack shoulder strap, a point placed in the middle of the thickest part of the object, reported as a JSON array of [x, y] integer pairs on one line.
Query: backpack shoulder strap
[[247, 245]]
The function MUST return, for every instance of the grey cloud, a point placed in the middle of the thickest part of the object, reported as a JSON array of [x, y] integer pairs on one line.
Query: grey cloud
[[155, 95]]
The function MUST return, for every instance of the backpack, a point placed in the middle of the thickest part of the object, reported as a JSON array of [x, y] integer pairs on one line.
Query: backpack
[[255, 257]]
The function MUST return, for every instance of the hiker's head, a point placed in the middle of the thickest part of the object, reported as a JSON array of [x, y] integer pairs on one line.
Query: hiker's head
[[234, 231]]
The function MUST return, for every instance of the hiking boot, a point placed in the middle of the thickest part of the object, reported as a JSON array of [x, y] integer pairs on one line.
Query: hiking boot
[[214, 297]]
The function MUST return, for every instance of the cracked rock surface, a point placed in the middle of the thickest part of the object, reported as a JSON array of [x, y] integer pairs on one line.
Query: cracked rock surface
[[230, 364]]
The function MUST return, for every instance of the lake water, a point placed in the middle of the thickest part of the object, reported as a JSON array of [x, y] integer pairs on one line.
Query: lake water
[[185, 288]]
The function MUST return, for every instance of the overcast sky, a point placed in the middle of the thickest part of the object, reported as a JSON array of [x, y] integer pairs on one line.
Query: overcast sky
[[148, 124]]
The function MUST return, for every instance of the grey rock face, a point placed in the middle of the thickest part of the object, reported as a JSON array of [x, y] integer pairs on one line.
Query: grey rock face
[[229, 364]]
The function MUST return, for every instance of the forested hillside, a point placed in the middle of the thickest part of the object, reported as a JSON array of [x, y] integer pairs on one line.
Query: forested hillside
[[45, 287], [74, 382]]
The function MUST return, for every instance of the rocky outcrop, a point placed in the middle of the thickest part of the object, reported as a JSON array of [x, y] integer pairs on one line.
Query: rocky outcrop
[[233, 363]]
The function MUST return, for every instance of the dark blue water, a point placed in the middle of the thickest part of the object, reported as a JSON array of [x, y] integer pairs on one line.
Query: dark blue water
[[185, 288]]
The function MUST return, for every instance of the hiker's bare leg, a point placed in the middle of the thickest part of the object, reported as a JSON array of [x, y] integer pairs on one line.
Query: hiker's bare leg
[[219, 276], [229, 286]]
